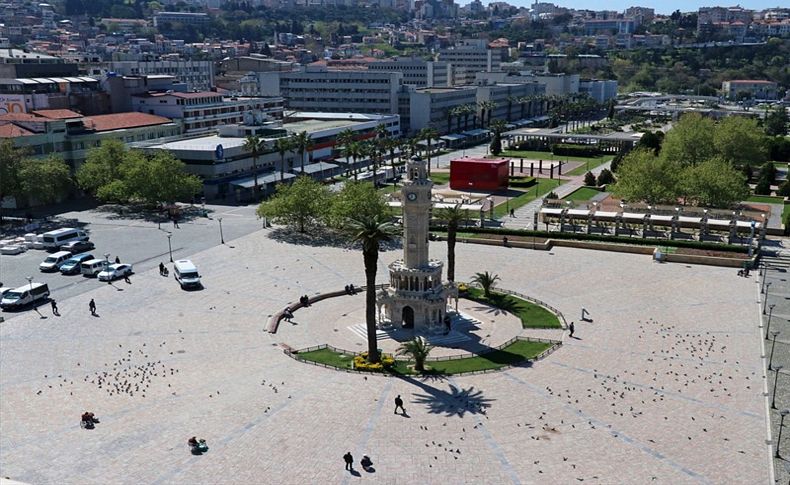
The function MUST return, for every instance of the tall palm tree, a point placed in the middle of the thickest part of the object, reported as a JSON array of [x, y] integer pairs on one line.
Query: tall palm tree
[[283, 145], [458, 112], [354, 150], [418, 348], [486, 281], [429, 134], [450, 113], [391, 145], [486, 109], [344, 139], [469, 109], [371, 231], [414, 146], [453, 215], [300, 142], [511, 100], [254, 144]]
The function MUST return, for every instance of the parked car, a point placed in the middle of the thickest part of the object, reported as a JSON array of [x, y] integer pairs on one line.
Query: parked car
[[76, 247], [186, 274], [54, 261], [24, 295], [4, 290], [115, 271], [13, 249], [72, 265]]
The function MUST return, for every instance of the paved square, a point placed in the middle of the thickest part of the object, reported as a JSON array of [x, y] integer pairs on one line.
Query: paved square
[[665, 385]]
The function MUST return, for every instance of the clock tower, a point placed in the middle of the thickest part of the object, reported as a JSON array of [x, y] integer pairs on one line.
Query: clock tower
[[416, 297]]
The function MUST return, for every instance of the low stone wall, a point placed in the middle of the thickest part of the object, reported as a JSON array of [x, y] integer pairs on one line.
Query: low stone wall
[[707, 260], [619, 248]]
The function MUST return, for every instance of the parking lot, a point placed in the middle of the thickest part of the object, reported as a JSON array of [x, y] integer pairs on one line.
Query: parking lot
[[140, 242]]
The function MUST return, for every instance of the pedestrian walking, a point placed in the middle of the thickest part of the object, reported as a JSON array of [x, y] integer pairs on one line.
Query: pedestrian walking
[[161, 268], [54, 305], [349, 461], [571, 328], [92, 307], [117, 260], [399, 404], [512, 212], [504, 241], [126, 279]]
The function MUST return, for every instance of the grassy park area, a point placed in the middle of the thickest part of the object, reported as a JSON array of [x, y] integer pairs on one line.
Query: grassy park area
[[530, 314], [517, 352], [582, 193], [440, 178], [589, 163], [541, 187]]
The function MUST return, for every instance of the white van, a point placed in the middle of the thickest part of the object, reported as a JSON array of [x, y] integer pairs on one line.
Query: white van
[[93, 267], [186, 274], [24, 295], [54, 261], [54, 239]]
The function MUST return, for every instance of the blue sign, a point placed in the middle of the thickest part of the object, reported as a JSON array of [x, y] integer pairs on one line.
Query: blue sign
[[219, 152]]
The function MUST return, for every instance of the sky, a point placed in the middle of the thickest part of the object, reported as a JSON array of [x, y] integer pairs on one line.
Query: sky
[[663, 7]]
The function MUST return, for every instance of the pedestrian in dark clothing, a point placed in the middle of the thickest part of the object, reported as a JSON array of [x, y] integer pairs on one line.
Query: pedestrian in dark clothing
[[512, 213], [92, 307], [399, 404], [288, 314], [117, 260], [161, 268], [126, 279], [54, 305], [349, 461], [504, 241], [571, 328]]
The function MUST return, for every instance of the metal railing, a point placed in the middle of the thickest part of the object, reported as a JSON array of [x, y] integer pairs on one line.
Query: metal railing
[[542, 303]]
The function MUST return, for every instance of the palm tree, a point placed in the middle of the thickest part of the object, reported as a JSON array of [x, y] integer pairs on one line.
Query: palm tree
[[429, 134], [283, 145], [255, 145], [486, 109], [458, 112], [414, 146], [354, 150], [497, 127], [371, 231], [391, 145], [453, 216], [301, 142], [344, 139], [450, 114], [468, 109], [486, 281], [418, 348]]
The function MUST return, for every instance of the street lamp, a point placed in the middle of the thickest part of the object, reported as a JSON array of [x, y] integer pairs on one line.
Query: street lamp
[[170, 246], [776, 378], [765, 298], [30, 280], [106, 259], [770, 314], [490, 206], [783, 413], [773, 344], [221, 236]]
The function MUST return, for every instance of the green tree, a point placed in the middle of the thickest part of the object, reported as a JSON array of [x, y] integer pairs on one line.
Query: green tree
[[356, 199], [605, 177], [784, 189], [589, 179], [10, 158], [159, 178], [453, 217], [651, 140], [371, 232], [301, 141], [429, 134], [418, 349], [255, 145], [301, 204], [283, 145], [486, 281], [497, 127], [739, 140], [44, 180], [714, 183], [776, 122], [102, 166], [690, 141], [644, 177]]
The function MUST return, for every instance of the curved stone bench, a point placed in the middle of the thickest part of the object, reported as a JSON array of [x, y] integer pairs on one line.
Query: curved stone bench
[[274, 320]]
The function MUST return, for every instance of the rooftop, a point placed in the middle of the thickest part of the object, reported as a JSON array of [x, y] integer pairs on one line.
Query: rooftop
[[120, 121], [11, 130], [57, 114]]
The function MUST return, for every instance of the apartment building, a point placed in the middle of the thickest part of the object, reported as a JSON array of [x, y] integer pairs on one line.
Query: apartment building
[[750, 89], [318, 89], [205, 111], [467, 60], [598, 89], [418, 72], [185, 18], [506, 98], [432, 107], [197, 75]]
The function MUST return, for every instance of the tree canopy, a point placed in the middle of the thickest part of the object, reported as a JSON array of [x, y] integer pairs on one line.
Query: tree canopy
[[32, 179], [354, 200], [301, 204], [644, 177]]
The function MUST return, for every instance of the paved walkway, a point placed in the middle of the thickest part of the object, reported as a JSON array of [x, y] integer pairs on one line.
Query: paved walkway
[[525, 215], [664, 385]]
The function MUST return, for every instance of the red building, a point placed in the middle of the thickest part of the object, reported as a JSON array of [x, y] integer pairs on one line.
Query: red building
[[479, 174]]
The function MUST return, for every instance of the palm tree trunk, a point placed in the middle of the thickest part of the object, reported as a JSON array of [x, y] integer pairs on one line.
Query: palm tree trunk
[[371, 257], [452, 230], [282, 167], [255, 175], [301, 155], [429, 155]]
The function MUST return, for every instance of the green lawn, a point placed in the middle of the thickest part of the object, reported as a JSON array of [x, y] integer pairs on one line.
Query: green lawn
[[542, 187], [530, 314], [766, 199], [388, 189], [440, 178], [535, 155], [328, 357], [514, 353], [588, 165], [582, 193]]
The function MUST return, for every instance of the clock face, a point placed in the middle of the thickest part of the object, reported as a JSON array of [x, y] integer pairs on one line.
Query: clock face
[[412, 196]]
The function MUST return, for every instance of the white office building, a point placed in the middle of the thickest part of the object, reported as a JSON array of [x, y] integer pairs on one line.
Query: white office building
[[599, 90], [418, 72], [197, 75]]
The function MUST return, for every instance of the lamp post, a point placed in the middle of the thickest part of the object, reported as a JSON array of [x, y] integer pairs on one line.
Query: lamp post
[[490, 207], [170, 246], [751, 238], [30, 281], [776, 378], [774, 334], [221, 236], [106, 259], [765, 298], [783, 413], [770, 314]]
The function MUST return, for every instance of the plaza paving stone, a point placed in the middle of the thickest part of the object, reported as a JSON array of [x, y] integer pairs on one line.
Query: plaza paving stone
[[664, 385]]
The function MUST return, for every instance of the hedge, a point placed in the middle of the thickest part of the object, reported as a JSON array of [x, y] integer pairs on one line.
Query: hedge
[[521, 181], [575, 150], [601, 238]]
